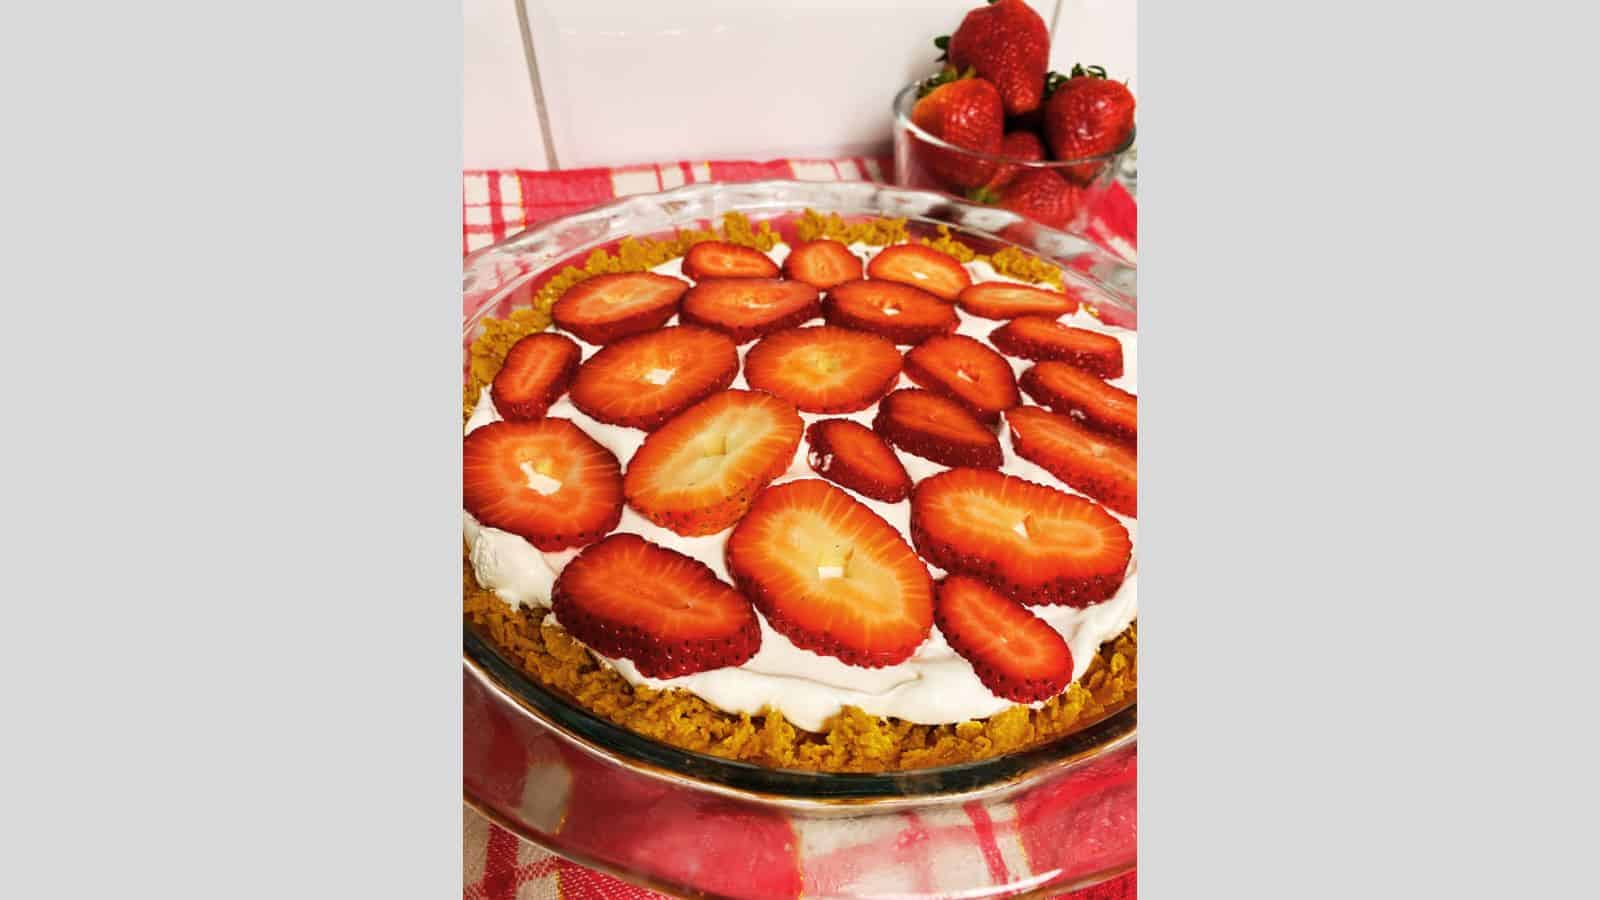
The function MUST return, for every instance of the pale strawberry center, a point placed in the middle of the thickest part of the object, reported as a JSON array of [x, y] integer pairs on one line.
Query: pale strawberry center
[[891, 308], [658, 377], [964, 375], [540, 475]]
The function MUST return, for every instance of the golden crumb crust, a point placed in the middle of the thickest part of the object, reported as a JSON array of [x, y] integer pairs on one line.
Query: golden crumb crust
[[851, 741]]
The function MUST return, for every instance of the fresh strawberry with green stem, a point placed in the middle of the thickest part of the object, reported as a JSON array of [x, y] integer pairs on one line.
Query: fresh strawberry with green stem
[[1007, 43], [1086, 115], [966, 112]]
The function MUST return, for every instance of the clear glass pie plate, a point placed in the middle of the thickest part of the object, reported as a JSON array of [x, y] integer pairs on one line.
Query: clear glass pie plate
[[1051, 818]]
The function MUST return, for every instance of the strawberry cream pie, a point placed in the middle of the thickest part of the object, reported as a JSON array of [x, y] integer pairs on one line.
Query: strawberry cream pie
[[858, 502]]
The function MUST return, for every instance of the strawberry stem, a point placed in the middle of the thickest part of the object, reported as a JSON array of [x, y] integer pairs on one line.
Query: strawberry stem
[[946, 75]]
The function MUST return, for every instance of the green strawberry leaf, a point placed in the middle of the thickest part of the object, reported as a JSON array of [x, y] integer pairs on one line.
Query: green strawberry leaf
[[1053, 80], [984, 195], [943, 43]]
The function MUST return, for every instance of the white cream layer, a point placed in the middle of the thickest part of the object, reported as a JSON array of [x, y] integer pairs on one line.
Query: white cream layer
[[935, 686]]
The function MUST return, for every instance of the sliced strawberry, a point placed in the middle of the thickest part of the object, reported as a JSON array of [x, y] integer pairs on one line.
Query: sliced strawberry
[[1016, 654], [747, 308], [606, 308], [537, 371], [967, 372], [1032, 543], [1071, 391], [831, 576], [850, 454], [698, 473], [1032, 337], [718, 259], [1004, 300], [903, 314], [644, 380], [822, 264], [546, 481], [921, 267], [667, 613], [936, 428], [1090, 462], [824, 369]]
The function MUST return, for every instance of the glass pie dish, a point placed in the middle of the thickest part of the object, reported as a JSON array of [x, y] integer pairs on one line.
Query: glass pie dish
[[1047, 819]]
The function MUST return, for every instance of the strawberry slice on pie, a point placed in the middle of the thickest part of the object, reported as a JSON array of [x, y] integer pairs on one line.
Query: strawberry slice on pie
[[537, 371], [1016, 654], [1090, 462], [936, 428], [1071, 391], [852, 455], [824, 369], [967, 372], [1005, 300], [1032, 337], [606, 308], [903, 314], [832, 576], [546, 481], [1033, 543], [822, 264], [718, 259], [698, 473], [644, 380], [668, 613], [921, 267], [747, 308]]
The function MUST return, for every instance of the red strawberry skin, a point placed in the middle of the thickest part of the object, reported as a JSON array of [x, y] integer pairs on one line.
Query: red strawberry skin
[[1092, 463], [851, 455], [1007, 43], [1014, 652], [867, 306], [610, 307], [824, 369], [968, 114], [936, 428], [1036, 338], [831, 575], [923, 268], [538, 370], [498, 489], [747, 308], [967, 372], [718, 259], [1024, 145], [822, 264], [1043, 196], [1070, 391], [1033, 543], [613, 385], [664, 611], [1087, 116]]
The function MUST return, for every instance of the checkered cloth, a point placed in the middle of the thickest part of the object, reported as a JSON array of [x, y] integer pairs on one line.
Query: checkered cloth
[[909, 855]]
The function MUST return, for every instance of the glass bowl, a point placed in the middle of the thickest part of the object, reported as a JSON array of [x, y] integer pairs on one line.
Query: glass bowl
[[924, 161], [1054, 817]]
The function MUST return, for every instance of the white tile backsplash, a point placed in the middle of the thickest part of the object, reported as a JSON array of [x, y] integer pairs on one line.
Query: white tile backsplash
[[628, 82]]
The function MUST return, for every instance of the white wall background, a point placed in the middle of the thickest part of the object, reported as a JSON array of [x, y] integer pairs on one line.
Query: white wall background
[[574, 83]]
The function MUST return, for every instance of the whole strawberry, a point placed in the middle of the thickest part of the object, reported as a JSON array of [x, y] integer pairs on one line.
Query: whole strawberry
[[1087, 115], [1007, 43], [964, 111], [1044, 196], [1023, 145]]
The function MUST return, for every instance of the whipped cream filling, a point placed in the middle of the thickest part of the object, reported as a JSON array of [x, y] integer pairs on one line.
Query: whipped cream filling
[[934, 686]]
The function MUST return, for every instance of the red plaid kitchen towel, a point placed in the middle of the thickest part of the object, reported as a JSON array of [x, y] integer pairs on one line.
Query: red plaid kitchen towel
[[498, 866], [500, 203]]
